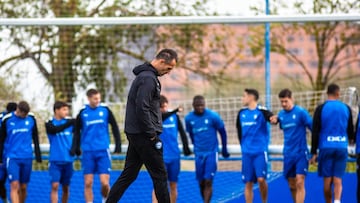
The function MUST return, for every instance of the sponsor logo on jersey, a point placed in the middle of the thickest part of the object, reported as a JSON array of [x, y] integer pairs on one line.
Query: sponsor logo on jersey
[[94, 122], [336, 138], [20, 130]]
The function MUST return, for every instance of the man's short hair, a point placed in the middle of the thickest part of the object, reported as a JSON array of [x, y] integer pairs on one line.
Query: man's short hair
[[253, 92], [168, 55], [92, 92], [11, 106], [24, 107], [332, 89], [198, 97], [163, 100], [59, 105], [285, 93]]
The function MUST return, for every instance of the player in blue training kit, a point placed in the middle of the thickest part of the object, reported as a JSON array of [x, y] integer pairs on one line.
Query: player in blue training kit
[[172, 126], [294, 120], [18, 128], [10, 107], [357, 138], [202, 124], [92, 133], [60, 133], [253, 133], [332, 130]]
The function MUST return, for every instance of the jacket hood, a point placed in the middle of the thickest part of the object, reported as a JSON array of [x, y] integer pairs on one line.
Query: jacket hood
[[144, 67]]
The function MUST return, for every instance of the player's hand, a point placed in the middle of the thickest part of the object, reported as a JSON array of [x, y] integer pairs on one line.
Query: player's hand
[[225, 153], [180, 108], [117, 150], [186, 151], [274, 119], [313, 159], [352, 151], [76, 152]]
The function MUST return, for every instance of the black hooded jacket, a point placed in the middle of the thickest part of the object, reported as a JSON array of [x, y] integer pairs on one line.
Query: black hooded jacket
[[143, 114]]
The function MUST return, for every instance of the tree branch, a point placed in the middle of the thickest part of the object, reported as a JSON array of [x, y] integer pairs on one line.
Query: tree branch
[[340, 66], [96, 9], [293, 57]]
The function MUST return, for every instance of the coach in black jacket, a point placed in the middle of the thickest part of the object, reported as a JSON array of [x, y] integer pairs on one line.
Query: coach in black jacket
[[143, 126]]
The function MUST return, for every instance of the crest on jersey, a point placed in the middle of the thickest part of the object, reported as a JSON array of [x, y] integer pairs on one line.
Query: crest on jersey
[[86, 115], [294, 116], [12, 123], [255, 116], [192, 122], [243, 115], [171, 119], [101, 113], [26, 122], [206, 121]]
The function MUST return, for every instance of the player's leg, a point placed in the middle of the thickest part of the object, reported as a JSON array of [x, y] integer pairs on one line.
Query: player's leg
[[2, 182], [289, 172], [133, 164], [210, 170], [14, 191], [173, 192], [54, 197], [151, 153], [55, 174], [103, 165], [292, 187], [337, 188], [105, 186], [327, 189], [173, 177], [65, 194], [199, 172], [88, 165], [13, 170], [325, 170], [260, 166], [300, 188], [88, 184], [302, 166], [249, 193], [248, 177], [339, 171], [25, 173], [67, 172]]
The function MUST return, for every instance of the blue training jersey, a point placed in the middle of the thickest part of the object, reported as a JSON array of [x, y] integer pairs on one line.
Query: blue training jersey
[[294, 124], [252, 129], [60, 143], [94, 128], [203, 129], [169, 137], [19, 135], [334, 120]]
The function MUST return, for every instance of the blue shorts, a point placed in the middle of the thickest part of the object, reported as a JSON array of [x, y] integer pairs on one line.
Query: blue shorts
[[173, 169], [19, 169], [332, 162], [254, 166], [206, 166], [3, 171], [295, 165], [60, 172], [96, 162]]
